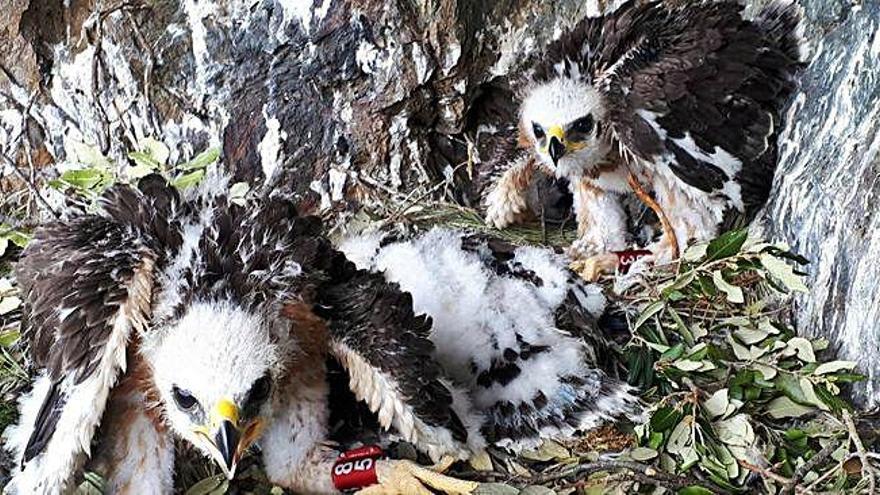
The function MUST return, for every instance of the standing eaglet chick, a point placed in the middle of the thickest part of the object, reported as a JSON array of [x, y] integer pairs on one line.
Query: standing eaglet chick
[[167, 315], [684, 97]]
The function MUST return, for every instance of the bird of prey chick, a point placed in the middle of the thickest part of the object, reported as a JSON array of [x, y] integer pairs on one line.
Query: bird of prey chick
[[167, 315], [680, 97]]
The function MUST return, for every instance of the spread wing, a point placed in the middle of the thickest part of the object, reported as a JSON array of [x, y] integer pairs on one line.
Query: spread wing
[[386, 349], [695, 86], [87, 284]]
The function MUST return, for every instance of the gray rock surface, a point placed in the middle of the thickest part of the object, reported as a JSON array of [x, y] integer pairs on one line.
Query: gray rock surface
[[371, 102], [826, 199]]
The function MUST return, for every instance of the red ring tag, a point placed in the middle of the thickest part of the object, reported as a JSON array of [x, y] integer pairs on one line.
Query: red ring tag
[[625, 259], [356, 468]]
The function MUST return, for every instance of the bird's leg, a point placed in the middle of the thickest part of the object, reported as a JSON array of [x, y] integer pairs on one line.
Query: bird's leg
[[668, 244], [601, 229], [505, 202], [135, 453], [688, 219]]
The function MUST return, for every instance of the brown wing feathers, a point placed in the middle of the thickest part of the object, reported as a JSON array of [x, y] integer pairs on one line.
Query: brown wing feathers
[[704, 70], [76, 276], [375, 318]]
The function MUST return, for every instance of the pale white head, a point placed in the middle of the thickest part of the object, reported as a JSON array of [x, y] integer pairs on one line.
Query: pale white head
[[562, 119], [215, 370]]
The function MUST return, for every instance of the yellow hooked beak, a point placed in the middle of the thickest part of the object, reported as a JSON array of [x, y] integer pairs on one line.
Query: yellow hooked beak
[[558, 145], [226, 438]]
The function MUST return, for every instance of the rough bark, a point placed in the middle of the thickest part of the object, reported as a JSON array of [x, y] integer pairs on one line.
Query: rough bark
[[367, 101]]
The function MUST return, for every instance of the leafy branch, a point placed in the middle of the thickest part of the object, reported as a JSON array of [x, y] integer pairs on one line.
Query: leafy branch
[[736, 393]]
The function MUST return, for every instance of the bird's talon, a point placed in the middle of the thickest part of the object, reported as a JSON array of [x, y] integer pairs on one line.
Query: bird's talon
[[400, 477], [592, 267]]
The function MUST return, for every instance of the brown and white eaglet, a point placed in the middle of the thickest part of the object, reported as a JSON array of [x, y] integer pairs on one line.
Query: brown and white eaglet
[[169, 315], [684, 95]]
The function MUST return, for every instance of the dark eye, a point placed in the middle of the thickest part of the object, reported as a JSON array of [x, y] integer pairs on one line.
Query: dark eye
[[260, 391], [183, 398], [583, 125], [539, 133]]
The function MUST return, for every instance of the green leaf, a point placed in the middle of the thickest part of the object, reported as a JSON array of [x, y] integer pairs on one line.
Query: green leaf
[[683, 330], [655, 440], [681, 437], [495, 489], [673, 353], [719, 404], [143, 161], [86, 178], [9, 304], [695, 490], [847, 377], [156, 150], [687, 365], [4, 243], [810, 394], [783, 272], [238, 193], [189, 180], [726, 245], [201, 161], [90, 155], [734, 293], [214, 485], [643, 454], [695, 252], [18, 238], [689, 457], [698, 352], [736, 431], [138, 171], [649, 312], [9, 338], [678, 284], [783, 407], [832, 401], [803, 348], [789, 384], [665, 418], [834, 366]]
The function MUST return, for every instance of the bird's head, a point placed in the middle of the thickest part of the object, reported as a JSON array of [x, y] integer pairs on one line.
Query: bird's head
[[562, 120], [215, 370]]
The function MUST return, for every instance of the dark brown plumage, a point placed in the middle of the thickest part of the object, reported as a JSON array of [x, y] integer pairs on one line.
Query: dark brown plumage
[[686, 95]]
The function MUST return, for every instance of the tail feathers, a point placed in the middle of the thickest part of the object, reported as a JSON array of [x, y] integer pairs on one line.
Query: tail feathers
[[579, 403], [47, 419]]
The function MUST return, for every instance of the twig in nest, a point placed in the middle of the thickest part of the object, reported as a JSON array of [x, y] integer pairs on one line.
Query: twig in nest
[[814, 461], [766, 473], [867, 470], [641, 472], [408, 205], [664, 220]]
